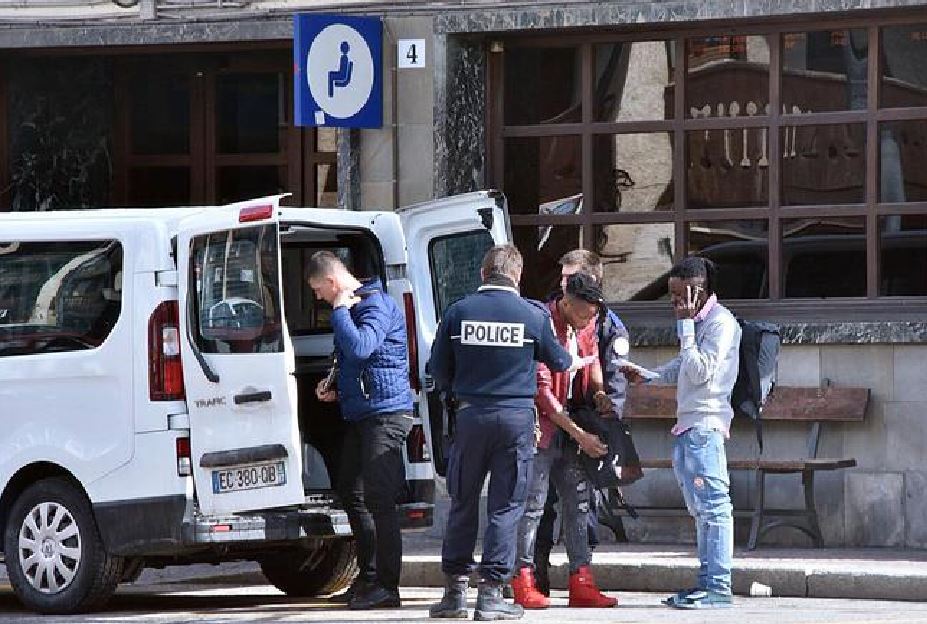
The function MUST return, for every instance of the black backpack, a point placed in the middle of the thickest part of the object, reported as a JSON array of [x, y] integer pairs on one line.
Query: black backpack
[[756, 373]]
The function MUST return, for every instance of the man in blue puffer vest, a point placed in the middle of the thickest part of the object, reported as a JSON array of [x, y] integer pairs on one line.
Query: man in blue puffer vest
[[376, 401]]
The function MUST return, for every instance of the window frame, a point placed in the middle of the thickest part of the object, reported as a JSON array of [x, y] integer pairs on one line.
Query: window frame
[[776, 306]]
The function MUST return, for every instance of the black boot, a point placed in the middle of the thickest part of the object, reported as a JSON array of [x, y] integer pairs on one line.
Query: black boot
[[491, 606], [542, 571], [453, 604]]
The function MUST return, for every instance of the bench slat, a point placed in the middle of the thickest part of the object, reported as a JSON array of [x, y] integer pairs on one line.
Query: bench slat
[[785, 403]]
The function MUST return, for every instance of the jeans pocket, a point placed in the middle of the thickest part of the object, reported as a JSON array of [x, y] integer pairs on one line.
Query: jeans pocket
[[699, 437]]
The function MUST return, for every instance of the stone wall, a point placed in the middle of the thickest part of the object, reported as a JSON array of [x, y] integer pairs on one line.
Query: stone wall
[[396, 161], [877, 503]]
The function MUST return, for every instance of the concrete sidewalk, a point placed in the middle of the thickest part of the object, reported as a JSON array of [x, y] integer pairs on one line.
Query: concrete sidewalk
[[816, 573]]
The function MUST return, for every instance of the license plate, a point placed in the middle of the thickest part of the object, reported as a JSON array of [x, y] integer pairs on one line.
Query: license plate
[[248, 477]]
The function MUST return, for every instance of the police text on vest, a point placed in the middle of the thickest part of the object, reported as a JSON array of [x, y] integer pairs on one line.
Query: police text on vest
[[490, 334]]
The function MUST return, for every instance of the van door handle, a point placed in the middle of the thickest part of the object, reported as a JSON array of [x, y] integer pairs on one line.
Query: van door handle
[[252, 397]]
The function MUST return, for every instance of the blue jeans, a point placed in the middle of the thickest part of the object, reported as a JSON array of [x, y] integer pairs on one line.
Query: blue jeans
[[700, 464]]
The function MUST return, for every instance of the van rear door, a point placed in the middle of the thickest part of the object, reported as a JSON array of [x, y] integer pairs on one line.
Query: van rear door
[[238, 360], [446, 240]]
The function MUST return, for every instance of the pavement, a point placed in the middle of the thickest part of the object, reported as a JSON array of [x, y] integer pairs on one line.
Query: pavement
[[231, 604], [865, 574]]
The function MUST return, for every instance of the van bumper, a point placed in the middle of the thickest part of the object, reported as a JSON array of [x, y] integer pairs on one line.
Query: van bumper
[[267, 526]]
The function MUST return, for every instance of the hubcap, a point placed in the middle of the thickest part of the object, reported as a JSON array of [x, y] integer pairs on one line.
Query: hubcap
[[49, 547]]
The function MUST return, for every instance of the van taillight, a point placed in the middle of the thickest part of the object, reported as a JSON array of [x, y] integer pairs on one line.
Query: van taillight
[[412, 339], [415, 445], [184, 464], [165, 373]]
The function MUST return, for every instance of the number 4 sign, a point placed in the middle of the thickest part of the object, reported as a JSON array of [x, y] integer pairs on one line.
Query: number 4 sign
[[410, 53]]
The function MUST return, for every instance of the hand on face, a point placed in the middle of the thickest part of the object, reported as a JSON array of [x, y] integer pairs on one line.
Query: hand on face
[[345, 298], [687, 297]]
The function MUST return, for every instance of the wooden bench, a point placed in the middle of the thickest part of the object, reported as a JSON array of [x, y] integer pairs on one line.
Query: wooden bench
[[813, 406]]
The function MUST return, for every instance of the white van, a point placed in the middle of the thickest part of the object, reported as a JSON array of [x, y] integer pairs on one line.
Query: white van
[[157, 370]]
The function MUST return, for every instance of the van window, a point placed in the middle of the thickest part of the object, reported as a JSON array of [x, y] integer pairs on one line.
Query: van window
[[455, 265], [304, 313], [236, 304], [58, 295]]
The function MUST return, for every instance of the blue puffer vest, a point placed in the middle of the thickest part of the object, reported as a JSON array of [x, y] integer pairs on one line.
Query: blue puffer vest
[[373, 360]]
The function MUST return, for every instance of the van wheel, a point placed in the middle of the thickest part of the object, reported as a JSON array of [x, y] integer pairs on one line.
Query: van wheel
[[54, 555], [307, 572]]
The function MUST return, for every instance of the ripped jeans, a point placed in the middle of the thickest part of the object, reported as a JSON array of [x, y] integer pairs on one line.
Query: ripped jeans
[[568, 477], [700, 464]]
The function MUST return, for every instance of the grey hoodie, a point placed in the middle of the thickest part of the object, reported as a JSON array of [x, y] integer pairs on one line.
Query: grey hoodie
[[705, 370]]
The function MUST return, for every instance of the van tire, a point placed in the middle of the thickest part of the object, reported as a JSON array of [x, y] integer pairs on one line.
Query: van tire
[[308, 572], [95, 573]]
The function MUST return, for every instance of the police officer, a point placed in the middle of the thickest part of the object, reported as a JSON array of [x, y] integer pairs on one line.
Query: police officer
[[484, 353]]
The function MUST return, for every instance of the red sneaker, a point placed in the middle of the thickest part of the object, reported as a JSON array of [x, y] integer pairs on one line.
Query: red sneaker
[[585, 593], [526, 591]]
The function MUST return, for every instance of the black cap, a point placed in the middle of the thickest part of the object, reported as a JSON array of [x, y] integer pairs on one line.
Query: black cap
[[585, 287]]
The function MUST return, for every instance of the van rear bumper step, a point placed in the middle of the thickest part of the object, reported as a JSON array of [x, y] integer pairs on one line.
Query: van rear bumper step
[[279, 525]]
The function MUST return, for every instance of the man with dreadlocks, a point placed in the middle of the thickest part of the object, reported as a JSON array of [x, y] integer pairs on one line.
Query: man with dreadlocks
[[704, 373]]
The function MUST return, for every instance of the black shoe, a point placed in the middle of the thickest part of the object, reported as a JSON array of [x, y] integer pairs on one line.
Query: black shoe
[[359, 585], [375, 597], [491, 606], [453, 604]]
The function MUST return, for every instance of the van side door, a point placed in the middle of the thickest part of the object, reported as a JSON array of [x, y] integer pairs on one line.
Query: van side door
[[445, 241], [238, 360]]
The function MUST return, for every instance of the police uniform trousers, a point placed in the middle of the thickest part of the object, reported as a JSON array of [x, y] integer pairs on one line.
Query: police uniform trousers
[[498, 441]]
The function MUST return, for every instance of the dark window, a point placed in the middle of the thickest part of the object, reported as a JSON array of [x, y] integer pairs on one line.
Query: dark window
[[542, 246], [159, 187], [634, 172], [455, 266], [240, 183], [824, 257], [304, 313], [529, 98], [825, 70], [903, 153], [159, 112], [58, 296], [741, 251], [904, 66], [248, 115], [237, 291], [727, 168], [768, 147], [630, 77], [212, 128], [824, 164], [545, 177], [903, 248]]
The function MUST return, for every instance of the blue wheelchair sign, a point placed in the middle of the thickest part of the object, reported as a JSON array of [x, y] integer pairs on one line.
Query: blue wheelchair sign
[[338, 71]]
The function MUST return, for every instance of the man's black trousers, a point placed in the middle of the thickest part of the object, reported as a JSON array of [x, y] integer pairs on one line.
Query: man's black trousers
[[371, 478]]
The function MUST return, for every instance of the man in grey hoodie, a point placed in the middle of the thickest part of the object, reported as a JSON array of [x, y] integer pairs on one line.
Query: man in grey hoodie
[[704, 373]]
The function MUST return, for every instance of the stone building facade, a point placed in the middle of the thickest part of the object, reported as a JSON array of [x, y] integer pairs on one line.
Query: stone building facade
[[784, 138]]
